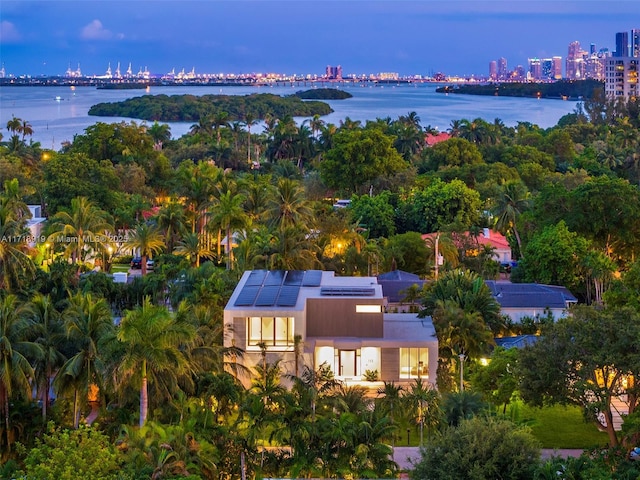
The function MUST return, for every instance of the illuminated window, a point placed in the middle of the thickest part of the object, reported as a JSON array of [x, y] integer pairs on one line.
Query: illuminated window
[[273, 331], [414, 363], [368, 308]]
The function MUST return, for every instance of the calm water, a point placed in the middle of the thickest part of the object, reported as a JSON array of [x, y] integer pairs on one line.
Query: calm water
[[55, 121]]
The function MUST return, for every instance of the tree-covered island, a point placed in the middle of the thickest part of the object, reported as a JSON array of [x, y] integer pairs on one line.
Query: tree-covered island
[[323, 94], [562, 90], [190, 108]]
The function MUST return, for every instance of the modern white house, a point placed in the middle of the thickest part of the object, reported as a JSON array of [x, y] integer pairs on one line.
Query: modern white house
[[338, 321]]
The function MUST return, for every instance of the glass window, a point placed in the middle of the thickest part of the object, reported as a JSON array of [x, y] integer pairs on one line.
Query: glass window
[[273, 331], [414, 363]]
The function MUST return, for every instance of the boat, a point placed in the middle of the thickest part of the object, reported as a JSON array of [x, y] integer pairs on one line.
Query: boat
[[58, 98]]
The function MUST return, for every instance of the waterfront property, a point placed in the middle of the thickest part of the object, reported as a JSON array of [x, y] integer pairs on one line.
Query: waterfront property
[[314, 317]]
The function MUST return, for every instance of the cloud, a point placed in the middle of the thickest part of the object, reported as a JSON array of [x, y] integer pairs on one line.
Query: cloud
[[95, 31], [9, 33]]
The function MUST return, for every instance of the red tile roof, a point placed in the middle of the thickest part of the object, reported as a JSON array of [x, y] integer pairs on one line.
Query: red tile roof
[[431, 139]]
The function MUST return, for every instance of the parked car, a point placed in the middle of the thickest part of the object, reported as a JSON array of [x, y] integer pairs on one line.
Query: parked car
[[635, 454], [136, 263]]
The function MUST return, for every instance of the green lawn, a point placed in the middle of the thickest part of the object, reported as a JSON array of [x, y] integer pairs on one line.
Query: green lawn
[[119, 267], [558, 426]]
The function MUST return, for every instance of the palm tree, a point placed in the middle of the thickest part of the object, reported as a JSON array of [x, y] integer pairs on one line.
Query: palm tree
[[14, 125], [462, 332], [513, 199], [82, 231], [160, 133], [26, 129], [50, 335], [289, 206], [423, 401], [15, 263], [15, 355], [230, 217], [148, 240], [192, 248], [204, 126], [152, 340], [220, 119], [171, 220], [469, 292], [390, 401], [88, 325], [249, 121]]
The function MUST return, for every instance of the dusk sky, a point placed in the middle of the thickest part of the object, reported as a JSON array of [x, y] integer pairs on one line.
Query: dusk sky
[[300, 36]]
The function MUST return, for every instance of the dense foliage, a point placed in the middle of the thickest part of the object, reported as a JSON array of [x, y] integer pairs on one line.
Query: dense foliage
[[323, 94], [563, 89], [228, 197], [190, 108]]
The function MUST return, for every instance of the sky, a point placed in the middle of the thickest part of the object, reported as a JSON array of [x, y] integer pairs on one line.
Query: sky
[[456, 37]]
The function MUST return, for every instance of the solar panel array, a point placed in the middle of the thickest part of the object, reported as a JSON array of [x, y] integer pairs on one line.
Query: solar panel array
[[276, 287]]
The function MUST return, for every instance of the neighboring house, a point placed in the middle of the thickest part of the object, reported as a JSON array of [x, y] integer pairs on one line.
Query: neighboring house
[[35, 225], [395, 286], [340, 322], [488, 237], [430, 139], [497, 241], [518, 300]]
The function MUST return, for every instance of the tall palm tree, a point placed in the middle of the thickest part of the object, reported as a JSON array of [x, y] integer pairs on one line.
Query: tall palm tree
[[160, 133], [148, 240], [82, 231], [16, 372], [152, 340], [50, 335], [230, 216], [15, 263], [249, 121], [26, 129], [289, 206], [462, 332], [220, 119], [14, 125], [423, 402], [512, 200], [88, 325], [171, 220]]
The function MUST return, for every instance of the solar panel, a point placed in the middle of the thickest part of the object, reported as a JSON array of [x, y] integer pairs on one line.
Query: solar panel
[[288, 295], [294, 277], [267, 296], [247, 296], [312, 278], [275, 277], [256, 277]]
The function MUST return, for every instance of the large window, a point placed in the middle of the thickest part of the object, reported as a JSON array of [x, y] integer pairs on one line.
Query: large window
[[414, 363], [273, 331]]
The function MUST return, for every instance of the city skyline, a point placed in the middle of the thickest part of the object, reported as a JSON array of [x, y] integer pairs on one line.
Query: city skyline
[[299, 37]]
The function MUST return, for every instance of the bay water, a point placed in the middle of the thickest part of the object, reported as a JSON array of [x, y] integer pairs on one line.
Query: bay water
[[56, 114]]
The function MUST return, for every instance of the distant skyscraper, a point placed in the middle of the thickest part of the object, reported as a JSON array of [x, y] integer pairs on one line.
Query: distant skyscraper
[[622, 44], [575, 61], [557, 68], [535, 69], [503, 73], [493, 70], [551, 68], [334, 73], [592, 49], [635, 42]]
